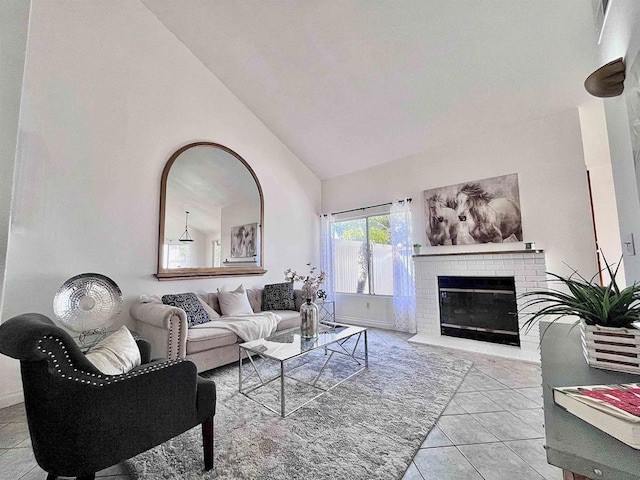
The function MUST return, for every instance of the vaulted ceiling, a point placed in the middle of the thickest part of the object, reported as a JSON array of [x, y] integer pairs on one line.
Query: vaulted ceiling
[[349, 84]]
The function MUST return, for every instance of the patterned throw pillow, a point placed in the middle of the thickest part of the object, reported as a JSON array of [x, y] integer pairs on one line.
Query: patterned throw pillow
[[278, 296], [190, 304]]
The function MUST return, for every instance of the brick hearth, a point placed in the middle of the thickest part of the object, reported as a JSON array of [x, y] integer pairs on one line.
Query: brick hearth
[[527, 267]]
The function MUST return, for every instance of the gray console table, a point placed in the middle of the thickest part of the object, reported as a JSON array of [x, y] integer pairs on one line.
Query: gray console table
[[572, 444]]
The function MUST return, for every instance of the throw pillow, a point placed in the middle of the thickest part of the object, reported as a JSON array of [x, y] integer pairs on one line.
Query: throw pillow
[[207, 308], [278, 296], [234, 303], [116, 354], [188, 302]]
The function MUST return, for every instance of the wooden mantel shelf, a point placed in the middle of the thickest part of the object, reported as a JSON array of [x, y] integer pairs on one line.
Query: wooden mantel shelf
[[492, 252]]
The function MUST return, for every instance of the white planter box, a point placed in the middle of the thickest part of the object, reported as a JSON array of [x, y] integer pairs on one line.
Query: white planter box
[[609, 348]]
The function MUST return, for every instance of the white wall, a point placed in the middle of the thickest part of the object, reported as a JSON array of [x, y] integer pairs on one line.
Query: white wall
[[621, 38], [14, 23], [548, 158], [605, 210], [110, 94], [199, 248]]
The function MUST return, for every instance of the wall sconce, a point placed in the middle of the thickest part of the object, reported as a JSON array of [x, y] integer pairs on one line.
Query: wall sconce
[[607, 81], [185, 236]]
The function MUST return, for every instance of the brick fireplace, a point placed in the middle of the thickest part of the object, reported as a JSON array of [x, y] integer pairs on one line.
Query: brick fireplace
[[527, 267]]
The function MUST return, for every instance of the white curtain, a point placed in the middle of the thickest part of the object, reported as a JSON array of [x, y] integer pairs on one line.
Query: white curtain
[[326, 254], [404, 292]]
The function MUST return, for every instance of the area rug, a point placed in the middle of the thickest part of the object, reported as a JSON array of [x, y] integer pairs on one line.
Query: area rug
[[368, 427]]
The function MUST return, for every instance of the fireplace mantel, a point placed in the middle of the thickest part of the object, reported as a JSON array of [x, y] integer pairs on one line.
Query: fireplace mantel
[[492, 252]]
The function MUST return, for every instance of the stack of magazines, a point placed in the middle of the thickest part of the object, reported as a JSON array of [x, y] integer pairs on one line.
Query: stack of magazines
[[614, 409]]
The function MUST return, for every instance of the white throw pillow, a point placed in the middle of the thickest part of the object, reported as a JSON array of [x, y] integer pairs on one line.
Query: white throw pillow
[[116, 354], [234, 303]]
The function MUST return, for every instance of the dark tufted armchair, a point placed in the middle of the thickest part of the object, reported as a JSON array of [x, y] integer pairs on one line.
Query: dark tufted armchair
[[81, 420]]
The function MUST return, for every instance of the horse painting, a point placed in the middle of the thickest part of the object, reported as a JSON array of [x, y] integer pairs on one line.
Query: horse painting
[[442, 222], [489, 219]]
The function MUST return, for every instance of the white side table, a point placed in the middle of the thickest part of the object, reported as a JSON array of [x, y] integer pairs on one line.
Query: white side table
[[327, 311]]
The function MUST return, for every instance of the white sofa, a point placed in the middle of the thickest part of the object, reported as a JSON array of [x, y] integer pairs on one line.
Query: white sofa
[[166, 328]]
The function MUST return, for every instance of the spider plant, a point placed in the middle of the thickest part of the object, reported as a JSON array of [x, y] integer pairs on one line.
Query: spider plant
[[607, 306]]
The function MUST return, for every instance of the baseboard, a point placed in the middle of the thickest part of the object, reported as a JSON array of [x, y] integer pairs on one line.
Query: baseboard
[[9, 399], [365, 322]]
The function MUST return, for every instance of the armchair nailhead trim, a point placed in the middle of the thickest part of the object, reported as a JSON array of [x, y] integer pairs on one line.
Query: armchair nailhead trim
[[54, 348], [172, 326], [170, 343]]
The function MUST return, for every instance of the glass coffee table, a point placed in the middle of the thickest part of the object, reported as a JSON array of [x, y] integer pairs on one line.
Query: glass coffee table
[[288, 358]]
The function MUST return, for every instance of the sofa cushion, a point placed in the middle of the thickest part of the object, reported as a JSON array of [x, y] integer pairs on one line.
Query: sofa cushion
[[278, 296], [188, 302], [289, 319], [299, 298], [205, 337], [235, 302], [255, 299], [211, 299]]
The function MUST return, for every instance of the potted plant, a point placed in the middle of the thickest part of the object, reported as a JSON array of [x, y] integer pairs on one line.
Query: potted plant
[[606, 315], [416, 248]]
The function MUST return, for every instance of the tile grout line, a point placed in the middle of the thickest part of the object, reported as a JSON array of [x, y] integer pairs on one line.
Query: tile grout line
[[501, 441], [469, 461], [503, 409], [436, 422], [524, 460]]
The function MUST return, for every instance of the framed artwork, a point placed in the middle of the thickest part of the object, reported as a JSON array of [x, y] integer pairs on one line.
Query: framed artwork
[[244, 240], [483, 211]]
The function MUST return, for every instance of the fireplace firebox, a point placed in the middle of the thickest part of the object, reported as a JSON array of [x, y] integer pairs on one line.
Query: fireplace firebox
[[480, 308]]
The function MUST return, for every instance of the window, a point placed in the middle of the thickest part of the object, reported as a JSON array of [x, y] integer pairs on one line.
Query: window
[[362, 255], [177, 255], [217, 253]]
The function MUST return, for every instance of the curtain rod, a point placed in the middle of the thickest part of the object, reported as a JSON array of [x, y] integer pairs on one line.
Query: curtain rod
[[408, 200]]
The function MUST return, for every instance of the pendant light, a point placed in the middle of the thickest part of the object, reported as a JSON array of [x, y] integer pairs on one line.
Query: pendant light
[[185, 236]]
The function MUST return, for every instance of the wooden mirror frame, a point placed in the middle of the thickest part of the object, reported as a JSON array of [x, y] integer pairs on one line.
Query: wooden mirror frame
[[205, 272]]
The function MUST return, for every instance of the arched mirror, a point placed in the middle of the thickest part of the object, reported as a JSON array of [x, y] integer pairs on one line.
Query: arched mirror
[[211, 215]]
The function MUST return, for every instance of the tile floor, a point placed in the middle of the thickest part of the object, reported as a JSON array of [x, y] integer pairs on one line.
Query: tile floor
[[492, 430], [493, 427]]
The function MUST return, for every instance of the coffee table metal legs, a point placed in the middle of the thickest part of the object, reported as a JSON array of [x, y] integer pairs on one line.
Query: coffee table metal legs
[[281, 375], [366, 350], [282, 398]]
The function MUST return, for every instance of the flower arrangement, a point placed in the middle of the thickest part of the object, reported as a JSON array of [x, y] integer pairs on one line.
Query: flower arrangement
[[310, 283]]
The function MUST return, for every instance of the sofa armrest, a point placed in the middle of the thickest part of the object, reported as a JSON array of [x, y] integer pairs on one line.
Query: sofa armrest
[[164, 326]]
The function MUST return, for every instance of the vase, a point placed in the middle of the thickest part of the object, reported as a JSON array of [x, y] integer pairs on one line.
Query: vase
[[309, 317], [610, 348]]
